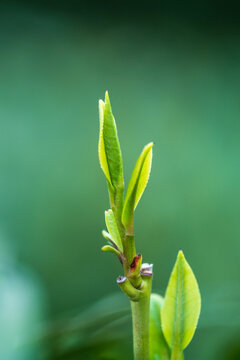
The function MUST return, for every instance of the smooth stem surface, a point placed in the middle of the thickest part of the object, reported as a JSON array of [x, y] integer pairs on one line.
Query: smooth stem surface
[[129, 248], [176, 354], [140, 320]]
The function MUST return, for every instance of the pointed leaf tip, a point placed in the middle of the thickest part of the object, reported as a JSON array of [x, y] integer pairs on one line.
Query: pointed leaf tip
[[137, 185], [181, 307], [107, 100], [181, 255]]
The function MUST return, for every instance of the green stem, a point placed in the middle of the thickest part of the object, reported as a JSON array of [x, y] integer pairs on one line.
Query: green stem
[[176, 353], [129, 248], [140, 321]]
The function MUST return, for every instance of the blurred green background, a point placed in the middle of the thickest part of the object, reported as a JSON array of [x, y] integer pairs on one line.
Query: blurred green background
[[173, 74]]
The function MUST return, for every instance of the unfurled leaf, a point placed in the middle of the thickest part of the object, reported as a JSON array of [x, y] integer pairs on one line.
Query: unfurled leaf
[[108, 147], [111, 249], [101, 148], [136, 186], [158, 348], [113, 229], [181, 307]]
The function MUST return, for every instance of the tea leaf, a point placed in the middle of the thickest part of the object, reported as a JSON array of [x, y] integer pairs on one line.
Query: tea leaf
[[101, 147], [111, 249], [108, 146], [113, 229], [158, 348], [110, 240], [136, 186], [181, 307]]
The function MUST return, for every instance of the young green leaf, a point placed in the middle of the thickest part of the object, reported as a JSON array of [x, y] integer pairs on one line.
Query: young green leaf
[[110, 240], [101, 147], [181, 307], [113, 229], [111, 249], [108, 237], [136, 186], [108, 146], [158, 348]]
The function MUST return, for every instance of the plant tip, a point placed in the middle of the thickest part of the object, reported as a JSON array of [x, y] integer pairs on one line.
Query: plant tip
[[107, 100], [180, 254]]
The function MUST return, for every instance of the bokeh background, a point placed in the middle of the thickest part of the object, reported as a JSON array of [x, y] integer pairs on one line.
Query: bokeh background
[[173, 73]]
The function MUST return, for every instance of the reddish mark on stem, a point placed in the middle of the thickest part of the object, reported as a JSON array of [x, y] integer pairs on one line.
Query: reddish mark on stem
[[135, 261]]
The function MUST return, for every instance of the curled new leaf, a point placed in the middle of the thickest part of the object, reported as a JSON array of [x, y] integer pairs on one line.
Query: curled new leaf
[[113, 229], [181, 307], [108, 146], [136, 186]]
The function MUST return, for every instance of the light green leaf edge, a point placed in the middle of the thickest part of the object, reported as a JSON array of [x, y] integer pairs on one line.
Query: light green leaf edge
[[182, 305], [109, 151], [158, 347], [137, 185], [113, 229]]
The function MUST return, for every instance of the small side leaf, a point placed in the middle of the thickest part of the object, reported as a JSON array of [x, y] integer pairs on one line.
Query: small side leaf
[[111, 249], [181, 307], [158, 348], [108, 146], [110, 240], [136, 186], [113, 229]]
